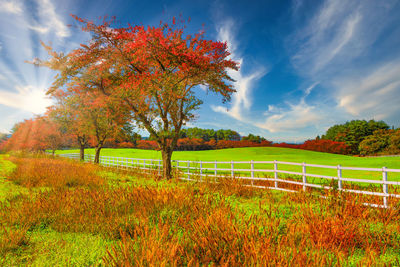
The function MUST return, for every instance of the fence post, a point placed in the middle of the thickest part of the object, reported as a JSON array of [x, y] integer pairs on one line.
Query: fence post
[[201, 170], [113, 161], [339, 175], [177, 169], [215, 171], [188, 169], [144, 165], [385, 186], [232, 169], [304, 176], [252, 172], [276, 173]]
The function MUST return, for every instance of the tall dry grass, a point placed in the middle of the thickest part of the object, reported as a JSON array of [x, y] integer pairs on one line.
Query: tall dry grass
[[50, 172], [204, 223], [226, 236]]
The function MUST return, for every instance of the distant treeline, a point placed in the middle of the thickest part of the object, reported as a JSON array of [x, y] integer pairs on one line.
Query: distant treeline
[[357, 137], [208, 139]]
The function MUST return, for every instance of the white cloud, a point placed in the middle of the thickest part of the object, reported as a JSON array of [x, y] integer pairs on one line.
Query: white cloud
[[292, 117], [373, 94], [13, 7], [39, 29], [203, 87], [308, 90], [51, 18], [26, 98], [295, 117], [241, 100], [5, 131]]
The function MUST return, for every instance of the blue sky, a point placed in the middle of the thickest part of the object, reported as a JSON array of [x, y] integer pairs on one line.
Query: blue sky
[[305, 65]]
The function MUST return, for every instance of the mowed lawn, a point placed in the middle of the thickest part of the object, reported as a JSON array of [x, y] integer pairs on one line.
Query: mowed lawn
[[269, 154]]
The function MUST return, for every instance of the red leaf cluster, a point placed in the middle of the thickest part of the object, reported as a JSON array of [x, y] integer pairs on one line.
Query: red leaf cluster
[[319, 145]]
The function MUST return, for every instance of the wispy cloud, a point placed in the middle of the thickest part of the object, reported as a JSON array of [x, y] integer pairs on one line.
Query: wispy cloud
[[39, 29], [332, 46], [13, 7], [26, 98], [241, 100], [296, 117], [51, 19], [293, 116], [374, 94], [327, 38]]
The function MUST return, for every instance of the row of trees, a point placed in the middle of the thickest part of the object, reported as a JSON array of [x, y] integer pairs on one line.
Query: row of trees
[[192, 144], [36, 134], [209, 134], [45, 133]]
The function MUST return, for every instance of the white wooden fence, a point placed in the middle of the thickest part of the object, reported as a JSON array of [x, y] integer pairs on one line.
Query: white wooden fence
[[254, 171]]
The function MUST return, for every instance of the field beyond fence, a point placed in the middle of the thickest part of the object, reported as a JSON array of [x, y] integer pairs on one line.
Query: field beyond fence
[[274, 175]]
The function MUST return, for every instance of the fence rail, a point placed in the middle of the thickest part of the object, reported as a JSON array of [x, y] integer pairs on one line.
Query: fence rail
[[248, 171]]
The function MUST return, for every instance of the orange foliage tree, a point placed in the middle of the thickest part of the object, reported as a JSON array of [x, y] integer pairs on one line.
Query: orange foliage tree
[[152, 72], [36, 134], [85, 112], [91, 116]]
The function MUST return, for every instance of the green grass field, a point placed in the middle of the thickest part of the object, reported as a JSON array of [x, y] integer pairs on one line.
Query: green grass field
[[270, 154]]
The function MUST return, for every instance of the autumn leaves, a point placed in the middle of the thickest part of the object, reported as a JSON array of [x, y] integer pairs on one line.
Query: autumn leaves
[[137, 74]]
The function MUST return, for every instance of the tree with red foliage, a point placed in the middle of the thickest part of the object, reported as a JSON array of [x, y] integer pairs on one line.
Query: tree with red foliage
[[152, 71]]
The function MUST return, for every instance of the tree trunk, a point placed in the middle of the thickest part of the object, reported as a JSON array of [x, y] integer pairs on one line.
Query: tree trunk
[[167, 167], [54, 151], [97, 155], [82, 152]]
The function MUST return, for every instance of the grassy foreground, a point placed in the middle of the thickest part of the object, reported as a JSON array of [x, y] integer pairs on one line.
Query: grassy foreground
[[64, 213]]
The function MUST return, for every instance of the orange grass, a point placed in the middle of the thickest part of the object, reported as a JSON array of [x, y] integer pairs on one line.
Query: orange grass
[[203, 223], [48, 172]]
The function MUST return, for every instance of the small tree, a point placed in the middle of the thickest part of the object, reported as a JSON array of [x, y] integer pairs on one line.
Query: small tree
[[65, 113], [81, 106], [89, 115]]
